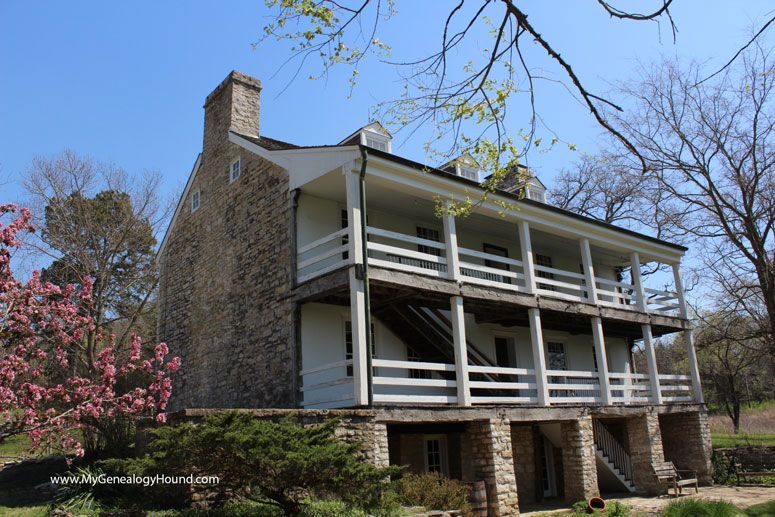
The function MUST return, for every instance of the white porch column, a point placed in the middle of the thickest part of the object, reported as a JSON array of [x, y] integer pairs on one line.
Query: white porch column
[[461, 351], [679, 289], [589, 271], [693, 368], [602, 361], [651, 361], [357, 290], [539, 358], [638, 281], [527, 257], [450, 241]]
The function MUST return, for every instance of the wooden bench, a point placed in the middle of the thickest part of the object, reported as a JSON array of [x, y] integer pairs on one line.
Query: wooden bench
[[677, 478]]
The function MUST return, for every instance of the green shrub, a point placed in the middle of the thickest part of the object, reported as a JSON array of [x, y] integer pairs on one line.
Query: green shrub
[[434, 492], [724, 468], [700, 508], [617, 509], [612, 509], [278, 463], [580, 507]]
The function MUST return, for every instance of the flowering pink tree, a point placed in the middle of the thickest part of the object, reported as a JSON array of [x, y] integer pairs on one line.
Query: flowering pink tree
[[42, 327]]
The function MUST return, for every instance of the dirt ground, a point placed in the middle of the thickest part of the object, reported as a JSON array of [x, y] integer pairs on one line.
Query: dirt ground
[[740, 496]]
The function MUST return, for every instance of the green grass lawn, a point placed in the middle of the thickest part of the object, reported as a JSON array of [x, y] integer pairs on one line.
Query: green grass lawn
[[761, 510], [721, 440], [14, 447]]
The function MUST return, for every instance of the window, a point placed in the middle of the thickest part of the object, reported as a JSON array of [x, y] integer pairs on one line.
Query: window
[[235, 170], [544, 261], [428, 234], [413, 356], [468, 173], [556, 361], [436, 454], [348, 344], [501, 252], [195, 201], [376, 144]]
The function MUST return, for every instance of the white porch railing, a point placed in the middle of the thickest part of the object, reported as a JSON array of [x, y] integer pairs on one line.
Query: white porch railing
[[676, 388], [514, 385], [327, 385], [559, 283], [492, 270], [322, 256], [661, 301], [398, 251], [411, 254], [422, 389], [425, 383], [615, 294], [629, 388], [573, 387]]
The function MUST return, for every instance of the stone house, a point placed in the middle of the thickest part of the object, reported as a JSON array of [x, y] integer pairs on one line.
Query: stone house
[[498, 347]]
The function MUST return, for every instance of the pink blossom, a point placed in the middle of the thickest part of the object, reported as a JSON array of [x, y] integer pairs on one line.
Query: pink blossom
[[45, 325]]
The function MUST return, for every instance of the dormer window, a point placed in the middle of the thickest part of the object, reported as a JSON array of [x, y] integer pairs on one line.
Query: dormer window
[[464, 166], [535, 190], [468, 173], [373, 135], [236, 170], [376, 143]]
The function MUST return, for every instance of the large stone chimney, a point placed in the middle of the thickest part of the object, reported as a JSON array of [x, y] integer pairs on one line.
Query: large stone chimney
[[234, 105]]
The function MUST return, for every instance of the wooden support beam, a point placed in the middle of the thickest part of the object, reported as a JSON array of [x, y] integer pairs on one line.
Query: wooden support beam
[[637, 281], [450, 242], [539, 358], [357, 289], [461, 352], [651, 362], [694, 370], [602, 361], [527, 257], [589, 271], [679, 289]]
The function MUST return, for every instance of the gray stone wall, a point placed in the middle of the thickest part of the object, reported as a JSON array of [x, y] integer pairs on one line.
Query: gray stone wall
[[225, 271], [645, 443], [686, 442], [524, 451], [489, 443], [578, 460], [754, 458]]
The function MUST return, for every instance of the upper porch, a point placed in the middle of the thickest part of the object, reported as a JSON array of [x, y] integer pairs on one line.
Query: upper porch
[[523, 248]]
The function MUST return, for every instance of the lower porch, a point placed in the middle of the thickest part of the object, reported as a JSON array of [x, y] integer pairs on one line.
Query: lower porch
[[429, 348]]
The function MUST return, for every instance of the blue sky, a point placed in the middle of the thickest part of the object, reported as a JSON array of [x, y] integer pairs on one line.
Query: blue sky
[[125, 81]]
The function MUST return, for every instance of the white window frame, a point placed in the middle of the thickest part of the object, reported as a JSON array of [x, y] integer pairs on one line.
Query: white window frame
[[196, 200], [442, 439], [376, 137], [238, 163]]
